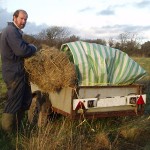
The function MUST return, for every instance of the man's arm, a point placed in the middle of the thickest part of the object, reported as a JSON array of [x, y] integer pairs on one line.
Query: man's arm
[[18, 45]]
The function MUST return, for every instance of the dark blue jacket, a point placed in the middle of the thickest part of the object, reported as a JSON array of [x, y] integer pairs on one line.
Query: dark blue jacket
[[13, 51]]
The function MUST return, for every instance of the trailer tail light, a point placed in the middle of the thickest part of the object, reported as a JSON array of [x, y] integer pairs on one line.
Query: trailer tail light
[[80, 105], [87, 103], [132, 100], [136, 99], [140, 100]]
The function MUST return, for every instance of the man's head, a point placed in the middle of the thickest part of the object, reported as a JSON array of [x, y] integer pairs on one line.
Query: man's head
[[20, 18]]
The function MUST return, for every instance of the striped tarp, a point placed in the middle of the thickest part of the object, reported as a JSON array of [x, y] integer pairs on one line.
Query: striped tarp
[[102, 65]]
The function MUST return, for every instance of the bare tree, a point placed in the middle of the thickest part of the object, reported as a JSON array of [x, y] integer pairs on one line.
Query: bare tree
[[58, 33], [129, 42], [42, 35], [145, 49], [111, 42], [54, 35], [72, 38]]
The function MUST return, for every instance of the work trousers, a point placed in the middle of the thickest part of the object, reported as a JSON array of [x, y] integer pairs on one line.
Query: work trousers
[[19, 95]]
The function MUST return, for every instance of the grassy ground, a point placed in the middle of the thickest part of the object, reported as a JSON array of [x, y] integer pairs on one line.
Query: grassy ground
[[145, 63], [118, 133], [2, 85], [130, 133]]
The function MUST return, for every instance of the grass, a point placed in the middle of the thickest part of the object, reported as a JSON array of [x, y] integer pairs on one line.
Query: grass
[[117, 133], [145, 63], [102, 134], [2, 84]]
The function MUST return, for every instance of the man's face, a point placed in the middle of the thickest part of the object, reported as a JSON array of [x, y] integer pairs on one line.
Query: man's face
[[21, 20]]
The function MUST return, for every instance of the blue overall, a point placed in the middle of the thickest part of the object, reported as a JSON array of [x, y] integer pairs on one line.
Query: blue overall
[[13, 51]]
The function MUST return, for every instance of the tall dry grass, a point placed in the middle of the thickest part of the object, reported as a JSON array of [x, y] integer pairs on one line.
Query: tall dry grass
[[66, 134], [101, 134]]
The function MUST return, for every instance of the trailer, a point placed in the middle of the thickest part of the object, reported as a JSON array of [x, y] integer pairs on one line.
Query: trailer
[[106, 88], [89, 102]]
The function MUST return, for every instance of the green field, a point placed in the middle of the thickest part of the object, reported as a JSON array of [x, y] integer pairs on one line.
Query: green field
[[145, 63]]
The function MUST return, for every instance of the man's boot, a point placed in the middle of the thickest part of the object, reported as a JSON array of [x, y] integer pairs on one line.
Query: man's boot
[[8, 122]]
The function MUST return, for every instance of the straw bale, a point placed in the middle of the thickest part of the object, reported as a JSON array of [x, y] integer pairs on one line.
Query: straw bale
[[51, 70]]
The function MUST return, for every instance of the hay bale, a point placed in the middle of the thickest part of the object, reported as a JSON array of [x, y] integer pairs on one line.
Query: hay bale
[[51, 70]]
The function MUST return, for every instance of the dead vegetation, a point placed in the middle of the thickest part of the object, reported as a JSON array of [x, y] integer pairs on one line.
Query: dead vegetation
[[51, 70], [132, 133]]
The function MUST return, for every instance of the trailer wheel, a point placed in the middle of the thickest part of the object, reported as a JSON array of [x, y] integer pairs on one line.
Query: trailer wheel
[[40, 109]]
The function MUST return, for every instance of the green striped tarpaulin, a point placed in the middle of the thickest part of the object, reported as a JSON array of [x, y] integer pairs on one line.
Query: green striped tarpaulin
[[102, 65]]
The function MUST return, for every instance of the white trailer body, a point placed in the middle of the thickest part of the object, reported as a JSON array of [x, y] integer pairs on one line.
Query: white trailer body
[[97, 101]]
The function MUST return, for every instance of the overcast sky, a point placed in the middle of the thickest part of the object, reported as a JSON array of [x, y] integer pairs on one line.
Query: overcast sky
[[89, 18]]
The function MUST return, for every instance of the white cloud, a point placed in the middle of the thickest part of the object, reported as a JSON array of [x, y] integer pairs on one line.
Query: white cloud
[[91, 18]]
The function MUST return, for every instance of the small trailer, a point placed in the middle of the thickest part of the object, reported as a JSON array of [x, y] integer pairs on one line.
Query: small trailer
[[106, 86], [89, 102]]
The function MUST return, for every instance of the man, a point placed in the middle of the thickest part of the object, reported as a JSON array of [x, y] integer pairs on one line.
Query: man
[[13, 51]]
